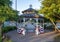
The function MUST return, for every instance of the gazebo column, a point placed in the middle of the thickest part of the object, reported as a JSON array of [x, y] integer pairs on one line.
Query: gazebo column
[[30, 19], [43, 23], [24, 21], [37, 22], [23, 29], [40, 22], [43, 26], [37, 30]]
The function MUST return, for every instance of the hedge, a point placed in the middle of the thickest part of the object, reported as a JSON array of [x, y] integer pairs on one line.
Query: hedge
[[7, 29]]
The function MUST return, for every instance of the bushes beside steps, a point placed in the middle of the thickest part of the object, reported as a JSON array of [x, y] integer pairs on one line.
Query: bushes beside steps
[[7, 29]]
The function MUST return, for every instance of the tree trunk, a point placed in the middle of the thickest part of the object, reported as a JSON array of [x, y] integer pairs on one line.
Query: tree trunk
[[0, 31], [0, 27], [55, 27]]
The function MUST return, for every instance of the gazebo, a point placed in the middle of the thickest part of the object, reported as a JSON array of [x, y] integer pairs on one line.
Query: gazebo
[[31, 16]]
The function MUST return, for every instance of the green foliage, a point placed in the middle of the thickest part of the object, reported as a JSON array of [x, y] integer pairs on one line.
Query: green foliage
[[7, 29], [57, 38], [51, 27], [50, 9], [7, 39], [6, 11], [0, 38], [5, 2]]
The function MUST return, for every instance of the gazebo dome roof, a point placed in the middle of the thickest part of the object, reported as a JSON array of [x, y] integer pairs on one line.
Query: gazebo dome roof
[[30, 13], [29, 9]]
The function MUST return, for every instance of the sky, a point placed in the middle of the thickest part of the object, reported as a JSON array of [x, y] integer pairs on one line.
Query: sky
[[24, 4]]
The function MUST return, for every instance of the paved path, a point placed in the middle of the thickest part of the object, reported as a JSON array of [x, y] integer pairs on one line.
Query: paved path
[[31, 37]]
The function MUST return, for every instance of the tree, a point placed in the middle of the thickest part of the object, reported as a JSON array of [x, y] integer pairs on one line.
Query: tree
[[6, 12], [5, 2], [51, 10]]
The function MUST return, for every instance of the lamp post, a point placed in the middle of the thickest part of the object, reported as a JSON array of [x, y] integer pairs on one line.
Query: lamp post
[[16, 4]]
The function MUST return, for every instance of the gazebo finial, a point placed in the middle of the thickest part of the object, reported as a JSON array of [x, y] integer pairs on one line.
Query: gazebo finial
[[30, 5]]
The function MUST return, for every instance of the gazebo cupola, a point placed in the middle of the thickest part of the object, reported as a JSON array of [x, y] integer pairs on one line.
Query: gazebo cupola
[[30, 10]]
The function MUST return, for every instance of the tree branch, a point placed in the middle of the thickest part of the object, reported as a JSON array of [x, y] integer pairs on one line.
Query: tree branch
[[57, 16]]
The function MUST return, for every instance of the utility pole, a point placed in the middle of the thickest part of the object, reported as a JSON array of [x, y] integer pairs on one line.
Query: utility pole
[[16, 4], [16, 10]]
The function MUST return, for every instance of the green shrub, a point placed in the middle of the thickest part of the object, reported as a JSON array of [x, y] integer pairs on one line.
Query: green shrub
[[50, 27], [9, 28], [0, 38], [57, 38], [7, 39]]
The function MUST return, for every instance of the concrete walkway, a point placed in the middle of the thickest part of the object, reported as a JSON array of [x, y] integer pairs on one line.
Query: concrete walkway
[[31, 37]]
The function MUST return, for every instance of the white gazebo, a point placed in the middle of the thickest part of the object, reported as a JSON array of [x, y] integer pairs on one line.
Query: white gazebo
[[30, 19]]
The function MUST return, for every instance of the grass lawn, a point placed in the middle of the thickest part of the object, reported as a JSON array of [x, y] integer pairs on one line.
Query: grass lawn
[[57, 38], [7, 40]]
